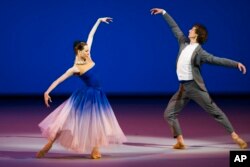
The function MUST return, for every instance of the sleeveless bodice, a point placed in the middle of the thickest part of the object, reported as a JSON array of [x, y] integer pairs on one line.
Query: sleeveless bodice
[[90, 78]]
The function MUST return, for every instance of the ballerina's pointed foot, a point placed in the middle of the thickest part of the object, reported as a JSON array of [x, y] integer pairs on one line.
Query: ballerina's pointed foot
[[40, 154], [95, 154], [44, 150]]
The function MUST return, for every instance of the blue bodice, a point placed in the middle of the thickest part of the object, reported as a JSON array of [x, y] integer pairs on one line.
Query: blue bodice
[[90, 78]]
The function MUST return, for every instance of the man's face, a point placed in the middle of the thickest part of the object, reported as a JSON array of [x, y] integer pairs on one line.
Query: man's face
[[192, 33]]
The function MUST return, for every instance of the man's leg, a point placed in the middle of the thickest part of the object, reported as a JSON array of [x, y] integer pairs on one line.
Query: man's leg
[[175, 105], [204, 100]]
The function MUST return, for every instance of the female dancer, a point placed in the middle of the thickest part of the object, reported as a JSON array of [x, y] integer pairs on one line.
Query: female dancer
[[85, 121]]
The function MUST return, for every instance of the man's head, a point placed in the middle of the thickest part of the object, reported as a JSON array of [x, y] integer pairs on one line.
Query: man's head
[[198, 33]]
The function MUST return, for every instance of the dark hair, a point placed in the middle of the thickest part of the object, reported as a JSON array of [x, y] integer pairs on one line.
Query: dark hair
[[78, 45], [202, 33]]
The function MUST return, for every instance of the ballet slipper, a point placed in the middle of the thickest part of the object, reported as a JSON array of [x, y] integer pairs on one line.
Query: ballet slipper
[[40, 154], [44, 150], [179, 145], [95, 154], [240, 142]]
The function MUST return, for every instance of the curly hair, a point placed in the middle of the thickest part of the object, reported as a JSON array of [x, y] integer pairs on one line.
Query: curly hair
[[202, 33]]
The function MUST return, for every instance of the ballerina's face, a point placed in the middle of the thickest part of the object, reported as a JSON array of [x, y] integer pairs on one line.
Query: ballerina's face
[[85, 52]]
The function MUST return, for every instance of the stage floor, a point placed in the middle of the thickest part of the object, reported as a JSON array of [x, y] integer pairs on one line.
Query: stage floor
[[149, 138]]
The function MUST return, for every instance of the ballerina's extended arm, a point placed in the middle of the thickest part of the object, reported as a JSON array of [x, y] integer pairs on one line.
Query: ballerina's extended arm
[[59, 80], [94, 28]]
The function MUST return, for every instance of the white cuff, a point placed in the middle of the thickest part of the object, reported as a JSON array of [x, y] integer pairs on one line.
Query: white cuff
[[163, 12]]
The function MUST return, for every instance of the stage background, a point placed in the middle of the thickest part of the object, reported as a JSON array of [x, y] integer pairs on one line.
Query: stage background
[[135, 55]]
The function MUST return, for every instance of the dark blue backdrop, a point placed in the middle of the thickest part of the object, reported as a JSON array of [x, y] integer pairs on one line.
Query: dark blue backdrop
[[136, 54]]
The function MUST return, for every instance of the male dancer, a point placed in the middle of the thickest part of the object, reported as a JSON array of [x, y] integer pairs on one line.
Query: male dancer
[[190, 58]]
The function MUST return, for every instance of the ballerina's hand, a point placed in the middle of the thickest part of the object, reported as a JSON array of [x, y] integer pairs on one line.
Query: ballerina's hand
[[106, 19], [47, 99]]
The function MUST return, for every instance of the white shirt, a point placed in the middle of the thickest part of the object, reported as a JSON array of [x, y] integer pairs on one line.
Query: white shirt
[[184, 69]]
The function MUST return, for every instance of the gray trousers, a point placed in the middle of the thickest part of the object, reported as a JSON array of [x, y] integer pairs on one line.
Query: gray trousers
[[191, 91]]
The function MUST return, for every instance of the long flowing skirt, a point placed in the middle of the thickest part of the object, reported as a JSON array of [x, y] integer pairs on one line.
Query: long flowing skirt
[[83, 121]]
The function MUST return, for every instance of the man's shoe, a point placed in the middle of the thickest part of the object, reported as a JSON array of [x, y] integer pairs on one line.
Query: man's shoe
[[179, 146], [241, 143]]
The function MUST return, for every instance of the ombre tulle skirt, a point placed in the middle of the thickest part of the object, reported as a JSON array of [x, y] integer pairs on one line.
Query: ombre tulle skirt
[[83, 121]]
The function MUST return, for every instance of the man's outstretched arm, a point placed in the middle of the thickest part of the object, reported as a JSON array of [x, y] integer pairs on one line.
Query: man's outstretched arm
[[172, 24]]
